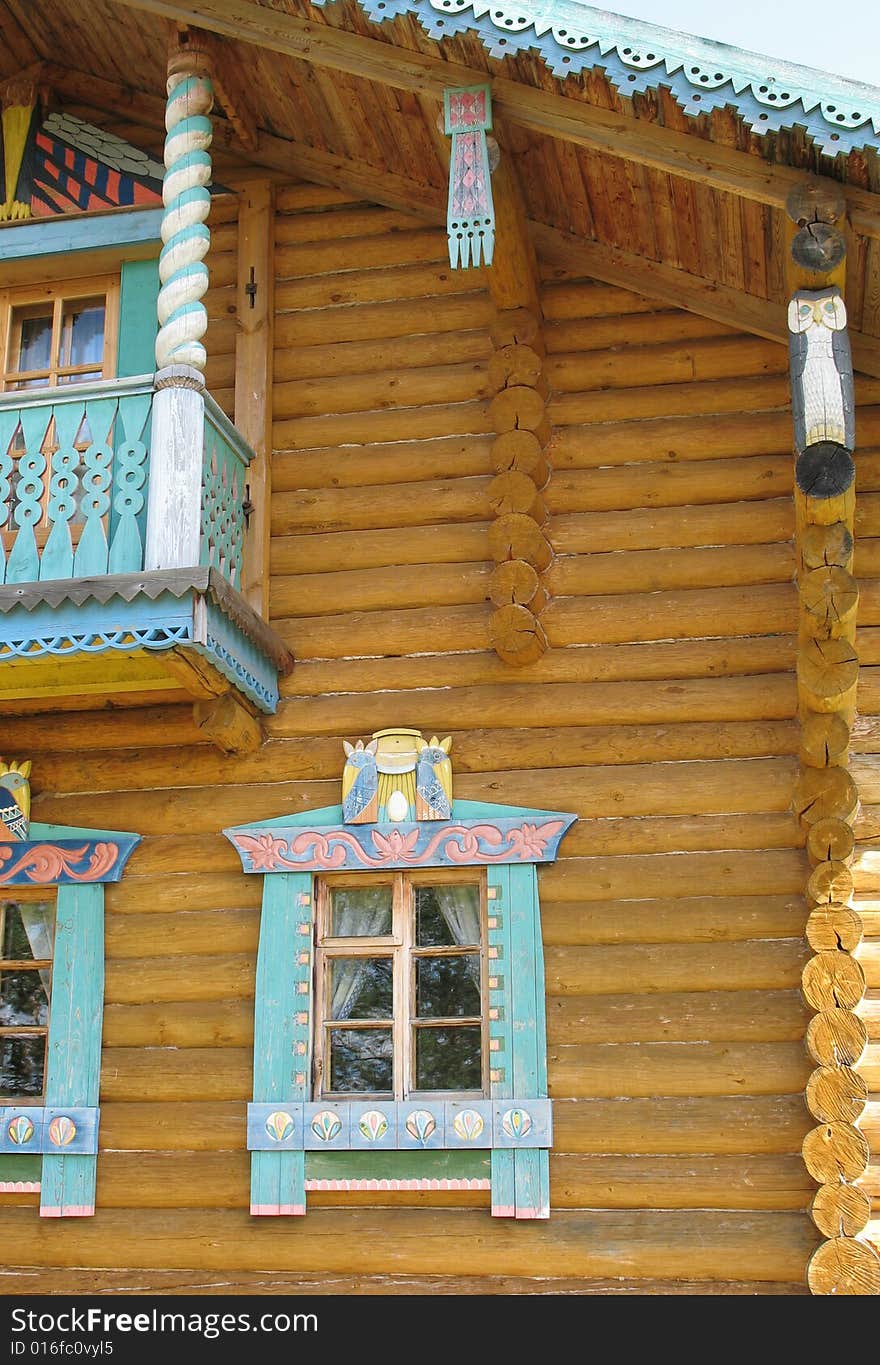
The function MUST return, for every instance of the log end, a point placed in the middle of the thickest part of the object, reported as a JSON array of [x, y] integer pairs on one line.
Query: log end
[[824, 470], [844, 1265]]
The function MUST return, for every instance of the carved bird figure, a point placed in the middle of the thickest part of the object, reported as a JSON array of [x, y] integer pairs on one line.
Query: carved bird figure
[[823, 405], [360, 783], [15, 800], [434, 780]]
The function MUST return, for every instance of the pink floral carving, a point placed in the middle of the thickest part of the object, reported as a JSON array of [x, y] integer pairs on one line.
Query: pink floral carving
[[329, 851], [529, 841], [398, 846], [267, 853], [102, 859], [45, 863], [318, 850]]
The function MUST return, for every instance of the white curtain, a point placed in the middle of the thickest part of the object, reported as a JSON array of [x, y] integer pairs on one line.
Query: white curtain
[[361, 920], [39, 925], [460, 907]]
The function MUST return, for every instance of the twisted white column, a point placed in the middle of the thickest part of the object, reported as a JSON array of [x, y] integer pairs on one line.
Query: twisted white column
[[183, 319], [173, 533]]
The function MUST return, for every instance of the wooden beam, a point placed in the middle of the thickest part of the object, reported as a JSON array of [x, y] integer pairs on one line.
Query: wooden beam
[[229, 723], [253, 378], [21, 38], [595, 259], [556, 115], [290, 159], [681, 290], [513, 275], [231, 91]]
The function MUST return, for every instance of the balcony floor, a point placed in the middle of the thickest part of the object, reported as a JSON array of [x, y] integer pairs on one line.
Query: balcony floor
[[167, 634]]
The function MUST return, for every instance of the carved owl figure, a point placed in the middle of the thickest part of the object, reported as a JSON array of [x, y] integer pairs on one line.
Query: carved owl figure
[[823, 404], [360, 783], [15, 800], [434, 780]]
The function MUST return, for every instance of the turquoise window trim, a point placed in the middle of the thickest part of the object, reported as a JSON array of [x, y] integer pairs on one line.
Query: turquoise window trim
[[117, 229], [73, 1053], [138, 320], [73, 1060], [282, 1060], [512, 1122]]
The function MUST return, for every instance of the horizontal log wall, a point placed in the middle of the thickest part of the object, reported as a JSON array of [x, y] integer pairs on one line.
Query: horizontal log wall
[[664, 713]]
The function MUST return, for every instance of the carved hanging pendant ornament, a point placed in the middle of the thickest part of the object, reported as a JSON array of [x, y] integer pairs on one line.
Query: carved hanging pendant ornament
[[398, 776], [470, 222], [15, 800]]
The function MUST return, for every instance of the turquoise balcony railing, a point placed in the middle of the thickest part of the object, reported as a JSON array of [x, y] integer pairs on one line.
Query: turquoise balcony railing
[[74, 480]]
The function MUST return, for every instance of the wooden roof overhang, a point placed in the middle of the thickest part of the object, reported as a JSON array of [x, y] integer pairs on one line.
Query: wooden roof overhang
[[646, 159]]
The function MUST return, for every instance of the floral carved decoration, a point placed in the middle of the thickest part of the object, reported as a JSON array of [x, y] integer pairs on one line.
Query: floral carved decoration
[[45, 864], [455, 843]]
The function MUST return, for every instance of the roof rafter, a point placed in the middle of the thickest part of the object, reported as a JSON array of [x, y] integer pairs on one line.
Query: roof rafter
[[595, 259], [270, 152], [539, 111], [680, 289]]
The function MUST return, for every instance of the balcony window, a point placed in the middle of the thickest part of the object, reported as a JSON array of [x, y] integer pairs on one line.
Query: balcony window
[[59, 334]]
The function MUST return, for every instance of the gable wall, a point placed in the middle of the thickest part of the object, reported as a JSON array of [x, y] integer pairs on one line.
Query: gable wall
[[663, 714]]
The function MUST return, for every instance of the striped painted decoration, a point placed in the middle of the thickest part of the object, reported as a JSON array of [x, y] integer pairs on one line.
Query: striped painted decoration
[[183, 319]]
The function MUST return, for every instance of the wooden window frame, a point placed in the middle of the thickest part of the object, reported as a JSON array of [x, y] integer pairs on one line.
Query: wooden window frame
[[34, 895], [401, 947], [58, 293]]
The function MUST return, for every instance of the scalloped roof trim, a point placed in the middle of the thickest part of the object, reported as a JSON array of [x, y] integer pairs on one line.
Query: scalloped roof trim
[[770, 94]]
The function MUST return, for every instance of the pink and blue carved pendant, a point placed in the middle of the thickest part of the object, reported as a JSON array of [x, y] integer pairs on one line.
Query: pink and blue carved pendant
[[470, 222]]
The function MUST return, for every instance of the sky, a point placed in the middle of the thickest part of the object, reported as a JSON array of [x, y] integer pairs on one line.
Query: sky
[[843, 38]]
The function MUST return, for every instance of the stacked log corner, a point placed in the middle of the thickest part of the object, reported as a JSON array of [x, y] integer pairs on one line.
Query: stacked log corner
[[517, 540], [836, 1152]]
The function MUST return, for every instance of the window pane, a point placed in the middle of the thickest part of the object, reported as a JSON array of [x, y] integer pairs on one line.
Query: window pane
[[82, 337], [34, 339], [28, 931], [360, 988], [23, 999], [449, 1058], [448, 987], [360, 911], [447, 915], [83, 378], [361, 1060], [22, 1063]]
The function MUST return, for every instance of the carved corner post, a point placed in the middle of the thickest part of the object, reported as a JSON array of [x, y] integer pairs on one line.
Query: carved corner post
[[174, 508], [835, 1152]]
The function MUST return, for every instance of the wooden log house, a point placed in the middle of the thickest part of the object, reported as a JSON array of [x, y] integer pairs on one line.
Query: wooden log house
[[439, 611]]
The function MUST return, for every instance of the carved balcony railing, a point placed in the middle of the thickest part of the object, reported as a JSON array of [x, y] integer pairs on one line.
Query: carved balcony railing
[[77, 580], [74, 480]]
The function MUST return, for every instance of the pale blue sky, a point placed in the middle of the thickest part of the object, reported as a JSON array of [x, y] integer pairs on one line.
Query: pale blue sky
[[842, 38]]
